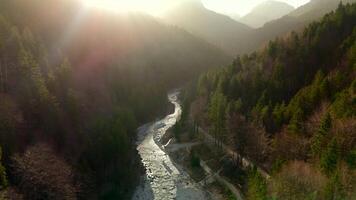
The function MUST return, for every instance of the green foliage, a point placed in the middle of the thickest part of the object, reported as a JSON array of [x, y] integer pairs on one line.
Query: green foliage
[[284, 87], [334, 190], [330, 157], [279, 115], [319, 139], [217, 114], [229, 194], [296, 123], [344, 105], [283, 84], [351, 159], [257, 186], [109, 152], [42, 105]]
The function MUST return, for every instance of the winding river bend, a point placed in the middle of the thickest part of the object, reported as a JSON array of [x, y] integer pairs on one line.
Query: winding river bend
[[164, 180]]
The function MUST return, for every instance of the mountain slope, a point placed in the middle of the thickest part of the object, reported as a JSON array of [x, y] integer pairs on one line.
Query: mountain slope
[[78, 83], [294, 21], [215, 28], [290, 108], [265, 12], [316, 9]]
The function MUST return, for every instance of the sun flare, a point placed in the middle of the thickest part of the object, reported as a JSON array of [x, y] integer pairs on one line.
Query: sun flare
[[153, 7]]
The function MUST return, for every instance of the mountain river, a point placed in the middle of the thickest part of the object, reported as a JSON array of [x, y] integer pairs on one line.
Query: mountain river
[[164, 179]]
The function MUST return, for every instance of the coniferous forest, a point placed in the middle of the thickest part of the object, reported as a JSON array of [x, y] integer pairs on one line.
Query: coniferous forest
[[290, 108], [77, 82], [72, 97]]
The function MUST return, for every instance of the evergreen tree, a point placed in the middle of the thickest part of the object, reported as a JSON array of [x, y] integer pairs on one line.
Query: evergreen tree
[[296, 123], [217, 111], [278, 114], [330, 157], [319, 138], [351, 159]]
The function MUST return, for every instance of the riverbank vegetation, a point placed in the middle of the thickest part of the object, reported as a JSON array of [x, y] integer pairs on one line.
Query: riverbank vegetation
[[290, 109]]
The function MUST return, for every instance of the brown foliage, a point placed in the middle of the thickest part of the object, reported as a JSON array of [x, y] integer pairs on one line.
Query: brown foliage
[[257, 147], [248, 139], [313, 123], [11, 194], [197, 110], [345, 132], [40, 174], [347, 180], [288, 146], [297, 180]]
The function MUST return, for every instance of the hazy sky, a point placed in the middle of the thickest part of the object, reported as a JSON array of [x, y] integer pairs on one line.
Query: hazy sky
[[157, 7], [242, 7]]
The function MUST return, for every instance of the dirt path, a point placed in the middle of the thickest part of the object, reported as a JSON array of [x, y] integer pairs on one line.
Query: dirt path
[[246, 163], [222, 180]]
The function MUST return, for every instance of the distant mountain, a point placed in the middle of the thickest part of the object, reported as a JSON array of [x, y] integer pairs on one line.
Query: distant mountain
[[235, 16], [237, 38], [296, 21], [316, 9], [265, 12], [218, 29]]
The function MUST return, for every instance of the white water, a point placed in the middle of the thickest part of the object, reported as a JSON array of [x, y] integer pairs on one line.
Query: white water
[[163, 180]]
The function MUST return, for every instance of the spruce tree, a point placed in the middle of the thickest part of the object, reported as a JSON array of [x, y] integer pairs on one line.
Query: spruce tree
[[329, 159], [319, 138]]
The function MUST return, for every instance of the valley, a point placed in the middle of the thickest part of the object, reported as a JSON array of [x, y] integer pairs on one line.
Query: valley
[[266, 105]]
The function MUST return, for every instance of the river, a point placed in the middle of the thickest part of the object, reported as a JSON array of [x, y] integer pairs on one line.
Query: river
[[164, 179]]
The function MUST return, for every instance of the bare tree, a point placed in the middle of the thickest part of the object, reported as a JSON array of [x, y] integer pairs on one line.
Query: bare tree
[[40, 174]]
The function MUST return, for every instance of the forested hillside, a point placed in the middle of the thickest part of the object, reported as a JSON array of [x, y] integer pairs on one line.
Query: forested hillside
[[290, 108], [74, 84], [297, 20]]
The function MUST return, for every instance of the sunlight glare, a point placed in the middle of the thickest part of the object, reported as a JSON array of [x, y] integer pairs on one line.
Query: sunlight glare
[[153, 7]]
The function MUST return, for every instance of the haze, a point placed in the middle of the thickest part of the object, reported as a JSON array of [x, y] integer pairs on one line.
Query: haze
[[177, 99], [157, 7], [242, 7]]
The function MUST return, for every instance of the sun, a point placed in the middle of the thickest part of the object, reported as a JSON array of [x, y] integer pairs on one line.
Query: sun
[[153, 7]]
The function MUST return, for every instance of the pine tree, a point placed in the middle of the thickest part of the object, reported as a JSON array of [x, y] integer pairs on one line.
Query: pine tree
[[278, 115], [296, 123], [329, 159], [319, 138], [217, 114]]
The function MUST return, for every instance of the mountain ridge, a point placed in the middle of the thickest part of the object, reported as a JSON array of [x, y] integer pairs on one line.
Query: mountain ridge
[[265, 12], [216, 28]]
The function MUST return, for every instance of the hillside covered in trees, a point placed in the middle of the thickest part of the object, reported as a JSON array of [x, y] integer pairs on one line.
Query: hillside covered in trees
[[296, 20], [74, 85], [290, 108]]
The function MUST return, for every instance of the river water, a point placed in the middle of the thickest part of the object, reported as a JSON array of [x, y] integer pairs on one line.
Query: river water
[[164, 180]]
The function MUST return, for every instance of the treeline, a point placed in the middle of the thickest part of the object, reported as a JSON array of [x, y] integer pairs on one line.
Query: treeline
[[74, 86], [290, 108]]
